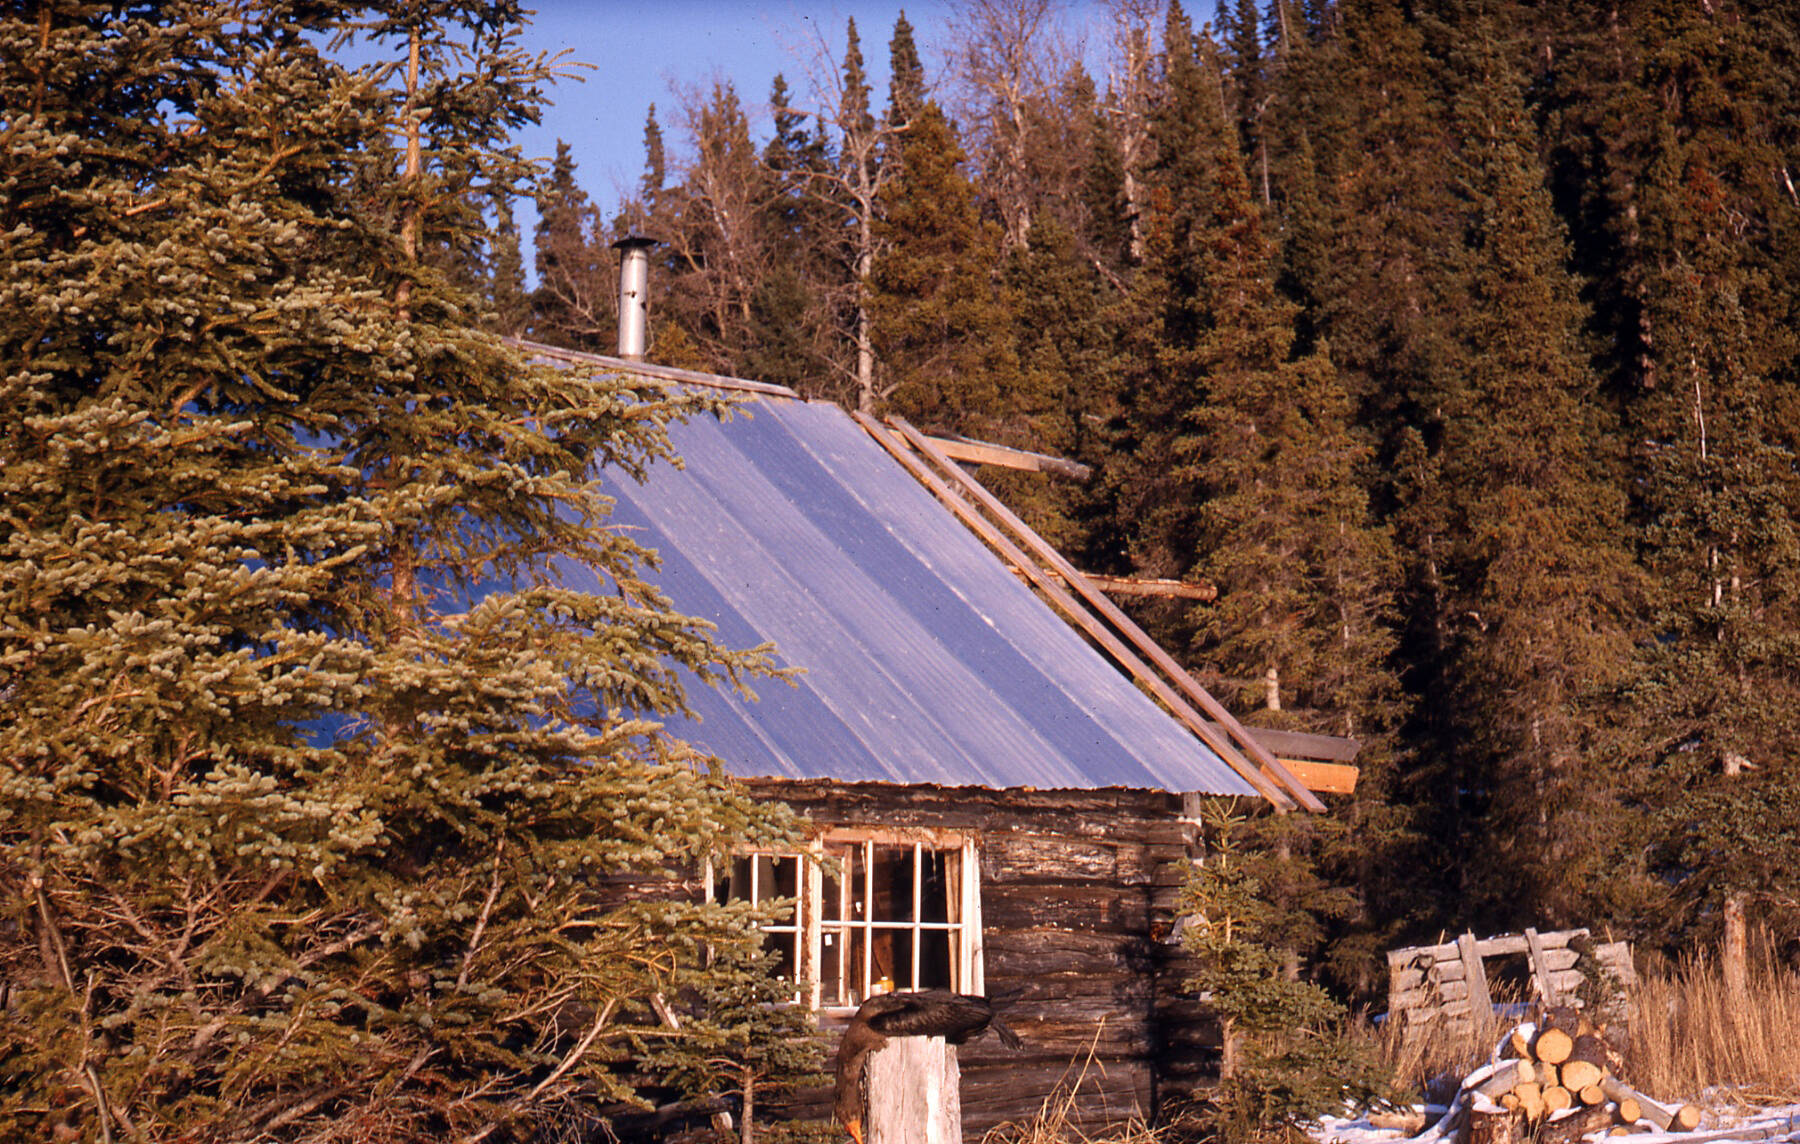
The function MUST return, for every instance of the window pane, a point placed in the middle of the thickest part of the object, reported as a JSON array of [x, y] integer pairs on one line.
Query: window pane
[[779, 876], [859, 908], [859, 979], [893, 869], [831, 893], [785, 947], [935, 960], [886, 971], [901, 942], [737, 887], [934, 891], [833, 950]]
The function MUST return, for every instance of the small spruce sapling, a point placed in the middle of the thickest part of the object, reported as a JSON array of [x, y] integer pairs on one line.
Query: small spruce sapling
[[1287, 1056]]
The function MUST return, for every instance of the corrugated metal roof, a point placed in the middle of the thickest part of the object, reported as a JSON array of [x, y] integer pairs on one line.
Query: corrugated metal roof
[[925, 660]]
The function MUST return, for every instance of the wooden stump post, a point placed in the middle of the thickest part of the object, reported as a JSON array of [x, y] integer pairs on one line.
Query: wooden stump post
[[1481, 1005], [915, 1093]]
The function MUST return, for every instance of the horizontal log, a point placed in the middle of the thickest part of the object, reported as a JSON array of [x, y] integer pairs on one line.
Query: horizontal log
[[1017, 856], [1005, 456], [1571, 1128], [1566, 981], [1094, 812], [1147, 586], [1046, 951], [1105, 1092], [1669, 1118], [1114, 997], [1553, 1046], [1430, 995], [1089, 907], [1486, 947], [1556, 960], [1505, 1075], [1321, 778]]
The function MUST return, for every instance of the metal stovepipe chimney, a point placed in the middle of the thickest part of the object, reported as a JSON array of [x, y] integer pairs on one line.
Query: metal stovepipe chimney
[[634, 295]]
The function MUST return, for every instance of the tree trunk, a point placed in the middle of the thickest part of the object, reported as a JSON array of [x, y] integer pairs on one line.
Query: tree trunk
[[1734, 958], [746, 1133]]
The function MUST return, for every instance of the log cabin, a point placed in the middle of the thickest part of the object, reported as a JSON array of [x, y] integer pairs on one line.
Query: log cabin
[[1001, 769]]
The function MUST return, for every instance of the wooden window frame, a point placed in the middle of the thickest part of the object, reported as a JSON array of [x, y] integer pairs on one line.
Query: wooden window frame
[[809, 925]]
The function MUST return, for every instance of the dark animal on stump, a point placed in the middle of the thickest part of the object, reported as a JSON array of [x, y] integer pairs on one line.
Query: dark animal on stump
[[956, 1017]]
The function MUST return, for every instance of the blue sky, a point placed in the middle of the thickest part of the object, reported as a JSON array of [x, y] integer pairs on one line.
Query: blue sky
[[639, 49]]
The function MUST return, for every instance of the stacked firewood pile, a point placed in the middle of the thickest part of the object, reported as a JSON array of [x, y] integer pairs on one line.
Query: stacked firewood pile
[[1555, 1081]]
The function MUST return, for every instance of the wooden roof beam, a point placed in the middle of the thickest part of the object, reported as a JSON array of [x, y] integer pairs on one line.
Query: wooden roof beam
[[1305, 745], [1146, 586], [985, 453]]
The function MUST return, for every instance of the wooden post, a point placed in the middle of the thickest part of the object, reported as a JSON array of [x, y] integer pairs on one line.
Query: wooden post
[[1540, 969], [1736, 955], [1481, 1005], [915, 1093]]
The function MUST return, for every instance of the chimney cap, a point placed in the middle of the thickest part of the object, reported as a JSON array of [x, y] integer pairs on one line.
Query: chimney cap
[[636, 242]]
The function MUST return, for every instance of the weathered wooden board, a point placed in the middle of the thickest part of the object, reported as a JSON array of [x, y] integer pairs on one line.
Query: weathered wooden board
[[914, 1093], [1447, 983]]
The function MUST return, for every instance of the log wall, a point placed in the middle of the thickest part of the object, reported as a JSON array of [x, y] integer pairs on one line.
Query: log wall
[[1078, 897]]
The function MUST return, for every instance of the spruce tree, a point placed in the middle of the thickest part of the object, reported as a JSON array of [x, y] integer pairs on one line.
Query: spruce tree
[[792, 324], [1540, 577], [573, 305], [1288, 1056], [1241, 468], [906, 82], [507, 295], [1714, 408], [314, 777], [939, 323]]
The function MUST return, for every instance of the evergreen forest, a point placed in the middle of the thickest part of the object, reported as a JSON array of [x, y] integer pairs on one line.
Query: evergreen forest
[[1452, 341]]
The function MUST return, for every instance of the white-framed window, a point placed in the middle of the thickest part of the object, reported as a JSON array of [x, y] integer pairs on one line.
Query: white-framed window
[[875, 911]]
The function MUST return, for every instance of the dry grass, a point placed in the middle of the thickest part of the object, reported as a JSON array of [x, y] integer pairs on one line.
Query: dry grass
[[1055, 1124], [1057, 1119], [1690, 1033], [1432, 1061]]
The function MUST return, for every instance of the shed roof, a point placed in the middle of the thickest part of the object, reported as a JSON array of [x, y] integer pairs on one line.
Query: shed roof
[[924, 659]]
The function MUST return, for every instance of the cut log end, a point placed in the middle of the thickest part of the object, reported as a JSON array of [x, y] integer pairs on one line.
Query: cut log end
[[1553, 1046]]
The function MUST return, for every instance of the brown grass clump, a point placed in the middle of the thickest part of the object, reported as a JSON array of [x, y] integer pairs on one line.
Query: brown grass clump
[[1690, 1033], [1055, 1124], [1437, 1057], [1056, 1120]]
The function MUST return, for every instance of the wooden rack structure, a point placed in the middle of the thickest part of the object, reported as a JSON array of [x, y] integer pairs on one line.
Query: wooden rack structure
[[1449, 982]]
